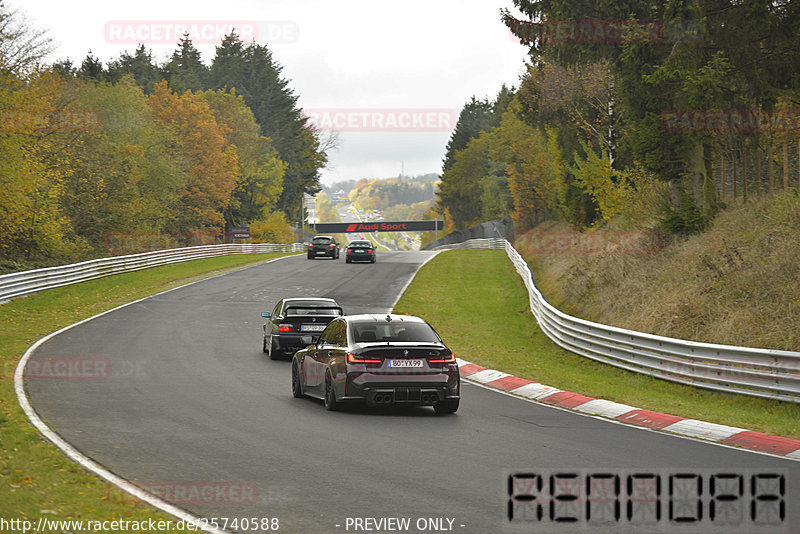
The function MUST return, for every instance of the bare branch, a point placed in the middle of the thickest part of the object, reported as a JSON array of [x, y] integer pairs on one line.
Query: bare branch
[[22, 47]]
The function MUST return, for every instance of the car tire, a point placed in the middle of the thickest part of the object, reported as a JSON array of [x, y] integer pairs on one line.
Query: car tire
[[374, 260], [273, 352], [331, 404], [348, 260], [297, 387], [446, 406], [309, 257], [264, 345]]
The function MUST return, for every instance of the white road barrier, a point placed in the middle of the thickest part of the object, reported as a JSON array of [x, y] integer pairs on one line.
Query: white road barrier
[[27, 282], [766, 373]]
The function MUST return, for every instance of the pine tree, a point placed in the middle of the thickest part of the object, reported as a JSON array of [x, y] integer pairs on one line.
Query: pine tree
[[140, 65], [186, 71], [475, 117]]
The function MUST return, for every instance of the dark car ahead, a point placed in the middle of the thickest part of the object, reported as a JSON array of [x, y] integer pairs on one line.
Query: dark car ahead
[[296, 322], [322, 246], [380, 359], [361, 250]]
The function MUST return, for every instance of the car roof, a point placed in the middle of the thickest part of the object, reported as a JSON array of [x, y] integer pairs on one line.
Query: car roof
[[307, 299], [359, 241], [326, 236]]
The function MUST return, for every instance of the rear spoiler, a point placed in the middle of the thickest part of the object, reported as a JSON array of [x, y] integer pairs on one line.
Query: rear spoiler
[[289, 308]]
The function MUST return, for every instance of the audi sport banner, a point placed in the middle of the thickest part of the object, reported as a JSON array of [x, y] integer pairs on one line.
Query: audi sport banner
[[379, 226]]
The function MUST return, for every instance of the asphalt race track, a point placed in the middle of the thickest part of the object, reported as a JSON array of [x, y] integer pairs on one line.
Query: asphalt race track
[[192, 409]]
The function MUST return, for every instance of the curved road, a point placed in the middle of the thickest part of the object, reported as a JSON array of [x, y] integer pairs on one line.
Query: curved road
[[192, 403]]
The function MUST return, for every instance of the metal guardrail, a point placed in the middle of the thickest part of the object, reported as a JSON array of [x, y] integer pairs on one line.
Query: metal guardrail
[[766, 373], [490, 243], [27, 282]]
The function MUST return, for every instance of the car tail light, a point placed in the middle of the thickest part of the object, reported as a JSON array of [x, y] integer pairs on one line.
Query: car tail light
[[310, 245], [330, 246], [449, 359], [285, 328], [352, 358]]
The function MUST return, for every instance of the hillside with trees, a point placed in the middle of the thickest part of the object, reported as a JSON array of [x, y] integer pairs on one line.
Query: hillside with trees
[[134, 155], [400, 198], [650, 160], [653, 129]]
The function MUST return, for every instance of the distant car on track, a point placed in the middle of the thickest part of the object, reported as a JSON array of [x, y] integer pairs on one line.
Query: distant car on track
[[297, 322], [381, 360], [361, 250], [323, 246]]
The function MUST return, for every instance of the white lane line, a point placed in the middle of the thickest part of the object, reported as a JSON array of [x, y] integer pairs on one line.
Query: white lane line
[[77, 456]]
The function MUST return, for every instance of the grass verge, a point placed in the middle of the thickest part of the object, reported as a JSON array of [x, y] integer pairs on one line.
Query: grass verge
[[36, 479], [481, 310]]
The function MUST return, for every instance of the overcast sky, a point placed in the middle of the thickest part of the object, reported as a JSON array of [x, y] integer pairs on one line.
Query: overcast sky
[[390, 78]]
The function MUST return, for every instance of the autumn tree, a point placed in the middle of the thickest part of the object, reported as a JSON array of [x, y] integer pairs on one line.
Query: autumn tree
[[211, 163], [260, 170]]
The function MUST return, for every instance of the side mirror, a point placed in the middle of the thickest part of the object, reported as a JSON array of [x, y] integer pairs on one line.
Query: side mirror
[[266, 314]]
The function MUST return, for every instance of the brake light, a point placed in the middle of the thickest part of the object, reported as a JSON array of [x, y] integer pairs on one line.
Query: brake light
[[330, 246], [449, 359], [285, 328], [310, 245], [351, 358]]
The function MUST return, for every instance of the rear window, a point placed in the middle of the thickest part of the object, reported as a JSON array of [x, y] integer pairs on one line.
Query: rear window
[[312, 308], [321, 240], [394, 331], [360, 244]]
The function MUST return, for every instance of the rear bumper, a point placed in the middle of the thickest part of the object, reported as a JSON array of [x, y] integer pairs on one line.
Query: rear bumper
[[292, 342], [360, 257], [421, 390], [408, 396]]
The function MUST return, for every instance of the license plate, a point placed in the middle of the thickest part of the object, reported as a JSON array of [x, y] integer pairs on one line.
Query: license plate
[[320, 252], [405, 363], [312, 327]]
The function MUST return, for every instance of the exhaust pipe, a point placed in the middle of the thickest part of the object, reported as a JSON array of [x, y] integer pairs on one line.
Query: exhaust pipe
[[431, 399], [383, 398]]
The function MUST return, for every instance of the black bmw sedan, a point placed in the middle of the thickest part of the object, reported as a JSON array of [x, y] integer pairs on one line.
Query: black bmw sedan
[[295, 322], [379, 359], [361, 250]]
